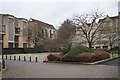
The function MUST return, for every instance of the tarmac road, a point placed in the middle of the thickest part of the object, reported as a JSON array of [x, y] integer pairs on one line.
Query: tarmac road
[[21, 69]]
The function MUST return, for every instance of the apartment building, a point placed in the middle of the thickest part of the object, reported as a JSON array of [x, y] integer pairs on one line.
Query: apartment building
[[103, 38], [49, 32], [13, 31], [109, 32]]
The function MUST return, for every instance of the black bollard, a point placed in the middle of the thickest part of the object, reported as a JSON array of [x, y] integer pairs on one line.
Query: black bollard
[[36, 59], [19, 58], [30, 58], [2, 57], [10, 57], [14, 57], [24, 58], [6, 56], [3, 64]]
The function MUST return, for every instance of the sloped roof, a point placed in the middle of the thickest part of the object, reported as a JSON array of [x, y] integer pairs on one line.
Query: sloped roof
[[43, 24], [113, 17]]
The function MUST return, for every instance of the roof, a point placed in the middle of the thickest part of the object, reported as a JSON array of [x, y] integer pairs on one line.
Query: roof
[[7, 15], [113, 17], [42, 23]]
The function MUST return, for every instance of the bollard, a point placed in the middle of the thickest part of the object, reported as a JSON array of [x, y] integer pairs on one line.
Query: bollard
[[3, 64], [6, 56], [24, 58], [10, 57], [19, 58], [112, 54], [14, 57], [36, 59], [2, 57], [30, 58]]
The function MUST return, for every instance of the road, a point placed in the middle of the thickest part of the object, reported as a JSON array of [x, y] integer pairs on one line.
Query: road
[[115, 62], [21, 69]]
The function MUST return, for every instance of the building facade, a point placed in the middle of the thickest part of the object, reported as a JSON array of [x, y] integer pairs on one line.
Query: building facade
[[12, 31], [108, 32], [49, 32]]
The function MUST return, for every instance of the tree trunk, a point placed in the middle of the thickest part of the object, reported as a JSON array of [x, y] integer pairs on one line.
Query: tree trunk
[[90, 44], [111, 46]]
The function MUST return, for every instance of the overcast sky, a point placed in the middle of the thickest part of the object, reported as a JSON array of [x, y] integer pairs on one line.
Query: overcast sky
[[56, 11]]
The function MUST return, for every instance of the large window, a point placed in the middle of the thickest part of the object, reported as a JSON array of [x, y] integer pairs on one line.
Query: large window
[[16, 38], [1, 37], [10, 45], [24, 45], [2, 28], [16, 45], [50, 33], [17, 30]]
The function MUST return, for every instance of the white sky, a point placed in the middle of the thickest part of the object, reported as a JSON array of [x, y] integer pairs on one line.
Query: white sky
[[56, 11]]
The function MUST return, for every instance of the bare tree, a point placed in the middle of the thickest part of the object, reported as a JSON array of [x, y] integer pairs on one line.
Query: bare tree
[[88, 26], [50, 44], [35, 34], [65, 33]]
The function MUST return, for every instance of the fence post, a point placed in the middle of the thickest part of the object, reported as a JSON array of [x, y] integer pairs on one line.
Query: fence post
[[6, 56], [112, 54], [10, 57], [36, 59], [14, 57], [19, 58], [30, 58], [24, 58], [3, 64], [2, 56]]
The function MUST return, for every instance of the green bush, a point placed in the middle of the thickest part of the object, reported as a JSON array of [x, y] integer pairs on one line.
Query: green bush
[[75, 51]]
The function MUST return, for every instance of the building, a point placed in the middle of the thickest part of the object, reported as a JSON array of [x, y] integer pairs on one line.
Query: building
[[103, 35], [13, 31], [49, 32]]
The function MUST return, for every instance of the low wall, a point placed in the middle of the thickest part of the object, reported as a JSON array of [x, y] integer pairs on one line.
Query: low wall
[[19, 50]]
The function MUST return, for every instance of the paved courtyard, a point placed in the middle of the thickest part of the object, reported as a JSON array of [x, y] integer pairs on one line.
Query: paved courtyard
[[21, 69]]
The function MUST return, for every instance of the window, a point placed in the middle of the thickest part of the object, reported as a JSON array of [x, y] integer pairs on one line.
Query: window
[[16, 45], [10, 45], [97, 47], [105, 47], [50, 33], [17, 30], [2, 28], [24, 45], [16, 38], [24, 24], [1, 37]]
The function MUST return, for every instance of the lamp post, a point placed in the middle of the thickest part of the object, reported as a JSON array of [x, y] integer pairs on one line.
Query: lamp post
[[119, 28]]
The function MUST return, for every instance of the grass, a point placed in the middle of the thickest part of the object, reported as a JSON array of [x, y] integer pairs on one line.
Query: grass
[[113, 55]]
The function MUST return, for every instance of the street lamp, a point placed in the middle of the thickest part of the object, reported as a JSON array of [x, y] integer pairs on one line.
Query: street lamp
[[119, 28]]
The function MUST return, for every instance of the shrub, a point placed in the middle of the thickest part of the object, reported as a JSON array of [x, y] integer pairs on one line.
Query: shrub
[[77, 50], [54, 57], [101, 54], [87, 57], [74, 52], [69, 59]]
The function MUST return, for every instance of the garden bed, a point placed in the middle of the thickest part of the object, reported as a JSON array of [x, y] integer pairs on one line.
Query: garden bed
[[85, 63]]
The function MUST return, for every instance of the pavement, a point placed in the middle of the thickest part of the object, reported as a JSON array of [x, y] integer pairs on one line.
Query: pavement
[[21, 69]]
